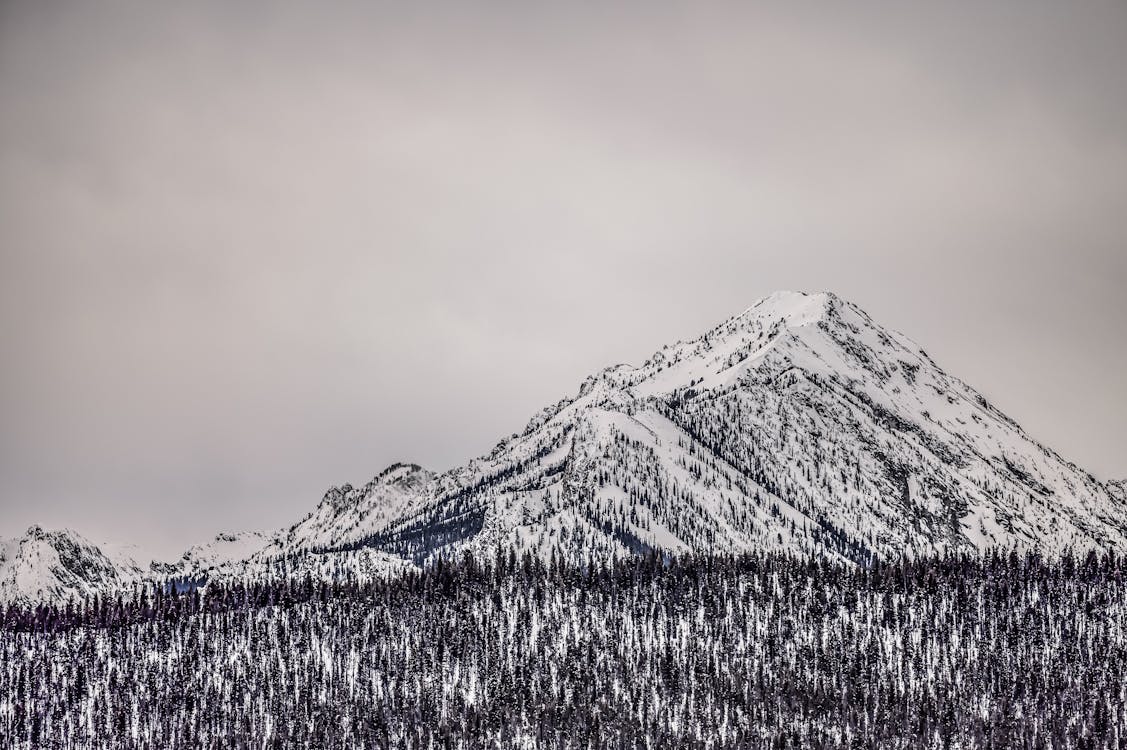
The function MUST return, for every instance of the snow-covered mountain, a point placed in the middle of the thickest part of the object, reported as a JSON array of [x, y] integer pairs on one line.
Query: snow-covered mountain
[[55, 565], [798, 425]]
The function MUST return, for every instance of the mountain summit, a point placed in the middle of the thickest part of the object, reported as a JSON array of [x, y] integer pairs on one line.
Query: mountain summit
[[799, 425]]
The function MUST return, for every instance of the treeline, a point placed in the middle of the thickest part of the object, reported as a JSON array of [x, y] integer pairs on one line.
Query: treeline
[[751, 651]]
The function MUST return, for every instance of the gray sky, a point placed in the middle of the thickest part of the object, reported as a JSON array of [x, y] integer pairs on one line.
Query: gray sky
[[250, 250]]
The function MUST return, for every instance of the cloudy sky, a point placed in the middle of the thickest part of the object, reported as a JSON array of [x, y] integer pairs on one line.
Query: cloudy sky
[[250, 250]]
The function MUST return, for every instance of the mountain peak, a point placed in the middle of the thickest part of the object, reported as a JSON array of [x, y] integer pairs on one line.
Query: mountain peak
[[796, 308], [55, 565], [36, 533], [799, 424]]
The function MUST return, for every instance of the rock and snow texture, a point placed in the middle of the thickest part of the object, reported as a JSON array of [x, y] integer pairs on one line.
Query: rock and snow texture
[[799, 425], [58, 565]]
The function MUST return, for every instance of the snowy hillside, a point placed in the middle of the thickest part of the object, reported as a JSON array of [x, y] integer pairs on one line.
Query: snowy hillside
[[799, 425], [56, 565]]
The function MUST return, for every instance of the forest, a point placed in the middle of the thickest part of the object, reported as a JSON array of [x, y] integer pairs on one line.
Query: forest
[[1000, 651]]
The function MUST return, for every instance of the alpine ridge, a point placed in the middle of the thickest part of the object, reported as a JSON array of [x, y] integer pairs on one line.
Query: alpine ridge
[[799, 425]]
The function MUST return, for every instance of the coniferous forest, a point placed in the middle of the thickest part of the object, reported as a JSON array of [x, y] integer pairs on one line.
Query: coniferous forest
[[1000, 651]]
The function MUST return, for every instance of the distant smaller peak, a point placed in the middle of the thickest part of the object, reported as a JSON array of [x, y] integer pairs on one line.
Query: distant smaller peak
[[785, 294], [38, 533]]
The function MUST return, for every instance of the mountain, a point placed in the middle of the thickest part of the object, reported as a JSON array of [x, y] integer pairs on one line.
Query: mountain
[[54, 565], [799, 425]]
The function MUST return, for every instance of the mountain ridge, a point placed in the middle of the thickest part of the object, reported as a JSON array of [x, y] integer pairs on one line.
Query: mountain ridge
[[47, 565], [798, 425]]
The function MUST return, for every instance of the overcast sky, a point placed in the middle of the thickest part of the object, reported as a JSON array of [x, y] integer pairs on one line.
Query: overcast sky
[[248, 251]]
